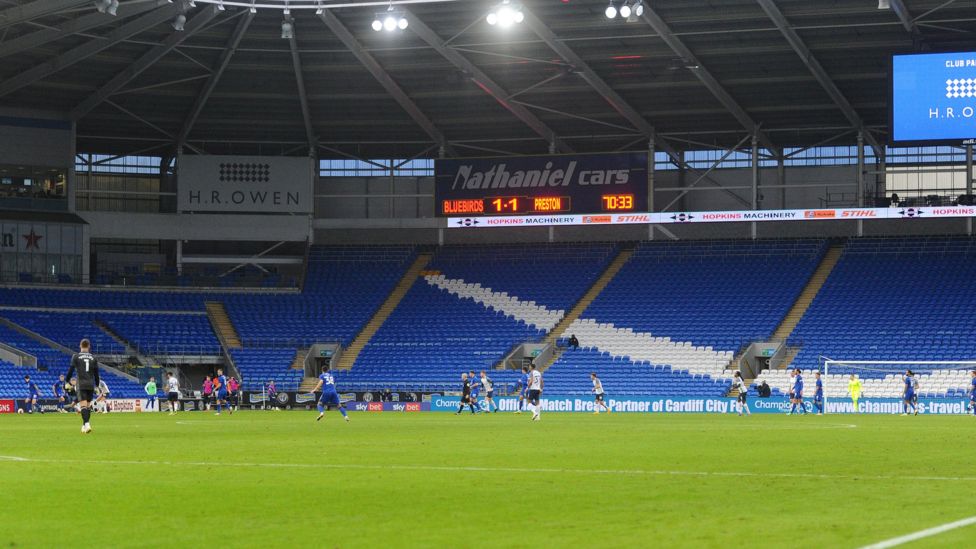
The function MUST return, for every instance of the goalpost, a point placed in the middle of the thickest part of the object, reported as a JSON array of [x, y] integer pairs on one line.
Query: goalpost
[[885, 378]]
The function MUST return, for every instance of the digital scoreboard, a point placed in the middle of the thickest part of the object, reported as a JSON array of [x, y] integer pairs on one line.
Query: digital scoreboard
[[539, 185]]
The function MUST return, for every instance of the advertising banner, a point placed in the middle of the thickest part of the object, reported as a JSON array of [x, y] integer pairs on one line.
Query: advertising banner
[[719, 405], [359, 406], [585, 183], [131, 405], [933, 97], [731, 216], [8, 406], [265, 184]]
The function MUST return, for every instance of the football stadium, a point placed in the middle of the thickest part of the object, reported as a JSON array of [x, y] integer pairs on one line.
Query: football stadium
[[487, 273]]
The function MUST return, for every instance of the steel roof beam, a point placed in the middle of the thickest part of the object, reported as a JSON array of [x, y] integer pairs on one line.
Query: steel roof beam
[[39, 8], [618, 103], [296, 62], [384, 79], [484, 82], [147, 60], [801, 49], [208, 87], [88, 49], [706, 78], [86, 22], [898, 6]]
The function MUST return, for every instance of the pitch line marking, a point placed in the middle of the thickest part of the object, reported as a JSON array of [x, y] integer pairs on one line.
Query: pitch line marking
[[460, 468], [921, 534]]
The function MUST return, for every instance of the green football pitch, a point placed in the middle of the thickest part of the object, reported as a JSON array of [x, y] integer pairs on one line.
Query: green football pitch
[[281, 479]]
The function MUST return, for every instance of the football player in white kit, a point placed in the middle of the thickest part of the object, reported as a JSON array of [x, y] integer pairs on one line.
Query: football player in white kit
[[172, 392], [535, 392], [742, 401], [598, 394]]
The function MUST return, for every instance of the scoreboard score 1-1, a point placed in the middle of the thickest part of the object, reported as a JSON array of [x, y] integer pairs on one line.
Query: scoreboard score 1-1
[[534, 185]]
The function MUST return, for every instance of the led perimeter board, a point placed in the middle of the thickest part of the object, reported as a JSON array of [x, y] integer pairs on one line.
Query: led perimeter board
[[933, 98], [534, 185]]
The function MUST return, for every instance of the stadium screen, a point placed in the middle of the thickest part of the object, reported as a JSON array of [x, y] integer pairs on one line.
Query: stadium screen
[[933, 98], [541, 185]]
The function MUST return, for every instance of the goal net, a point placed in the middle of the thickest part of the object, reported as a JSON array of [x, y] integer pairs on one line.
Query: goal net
[[885, 379]]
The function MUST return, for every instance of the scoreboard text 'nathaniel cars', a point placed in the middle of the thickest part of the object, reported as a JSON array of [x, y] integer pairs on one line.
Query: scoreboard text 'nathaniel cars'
[[532, 185]]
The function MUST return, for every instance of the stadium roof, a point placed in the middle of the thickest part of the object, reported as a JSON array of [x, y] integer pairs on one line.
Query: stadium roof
[[693, 71]]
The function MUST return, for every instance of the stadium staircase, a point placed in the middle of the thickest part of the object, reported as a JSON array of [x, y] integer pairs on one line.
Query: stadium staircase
[[308, 384], [799, 308], [130, 349], [101, 325], [351, 353], [559, 331], [222, 325]]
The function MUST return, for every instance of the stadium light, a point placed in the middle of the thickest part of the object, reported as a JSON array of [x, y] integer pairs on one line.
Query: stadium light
[[505, 15], [107, 6], [178, 23], [389, 21], [639, 8], [287, 30], [611, 11], [625, 10]]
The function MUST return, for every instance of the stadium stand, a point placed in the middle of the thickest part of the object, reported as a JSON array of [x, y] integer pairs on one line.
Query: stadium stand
[[66, 328], [52, 363], [709, 293], [258, 366], [554, 276], [624, 377], [685, 308], [891, 299], [343, 288], [165, 334], [431, 338], [474, 305]]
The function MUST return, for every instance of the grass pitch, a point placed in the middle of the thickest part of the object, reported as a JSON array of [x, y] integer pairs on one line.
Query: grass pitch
[[279, 479]]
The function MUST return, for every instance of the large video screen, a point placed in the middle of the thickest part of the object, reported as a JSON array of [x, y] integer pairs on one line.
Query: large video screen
[[933, 97], [541, 185]]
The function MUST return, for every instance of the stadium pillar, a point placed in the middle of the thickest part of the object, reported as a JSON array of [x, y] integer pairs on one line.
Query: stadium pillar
[[72, 180], [650, 175], [860, 180], [179, 256], [86, 248], [755, 179], [781, 177], [552, 234], [650, 184], [969, 184]]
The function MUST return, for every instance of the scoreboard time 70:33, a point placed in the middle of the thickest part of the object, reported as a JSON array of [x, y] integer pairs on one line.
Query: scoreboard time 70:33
[[541, 185]]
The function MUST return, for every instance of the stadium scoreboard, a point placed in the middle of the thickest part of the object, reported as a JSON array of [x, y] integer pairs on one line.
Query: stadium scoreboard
[[539, 185]]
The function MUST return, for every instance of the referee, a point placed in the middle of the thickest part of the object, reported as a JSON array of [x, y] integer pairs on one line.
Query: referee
[[87, 371], [465, 394]]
